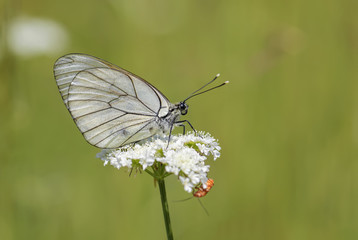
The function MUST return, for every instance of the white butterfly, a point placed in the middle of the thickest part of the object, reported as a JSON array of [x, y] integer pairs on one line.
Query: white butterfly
[[111, 106]]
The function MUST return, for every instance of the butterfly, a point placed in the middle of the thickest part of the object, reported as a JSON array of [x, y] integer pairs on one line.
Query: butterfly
[[113, 107]]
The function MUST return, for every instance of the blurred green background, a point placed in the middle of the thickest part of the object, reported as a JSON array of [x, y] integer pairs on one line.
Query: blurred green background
[[287, 122]]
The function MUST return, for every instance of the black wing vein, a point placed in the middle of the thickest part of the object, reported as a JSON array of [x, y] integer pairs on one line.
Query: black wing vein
[[135, 124], [102, 124], [138, 132]]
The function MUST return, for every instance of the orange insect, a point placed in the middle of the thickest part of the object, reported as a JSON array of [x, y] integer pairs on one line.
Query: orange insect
[[201, 192]]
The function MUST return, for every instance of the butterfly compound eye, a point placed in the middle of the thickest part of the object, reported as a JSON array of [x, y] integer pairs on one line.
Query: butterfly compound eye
[[183, 107]]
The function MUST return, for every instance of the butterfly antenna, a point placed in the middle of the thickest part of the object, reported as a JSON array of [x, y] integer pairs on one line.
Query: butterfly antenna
[[195, 93]]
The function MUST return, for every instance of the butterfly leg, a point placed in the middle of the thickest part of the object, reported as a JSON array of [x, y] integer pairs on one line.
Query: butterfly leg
[[184, 126], [170, 134], [189, 125], [180, 123]]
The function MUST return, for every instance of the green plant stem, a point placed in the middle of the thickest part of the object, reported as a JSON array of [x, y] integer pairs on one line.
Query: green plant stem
[[163, 196]]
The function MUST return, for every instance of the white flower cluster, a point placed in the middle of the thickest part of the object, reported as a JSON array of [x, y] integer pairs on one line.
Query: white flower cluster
[[184, 156]]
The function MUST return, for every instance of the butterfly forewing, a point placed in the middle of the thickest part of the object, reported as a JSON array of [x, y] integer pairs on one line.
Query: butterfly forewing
[[69, 65], [110, 106]]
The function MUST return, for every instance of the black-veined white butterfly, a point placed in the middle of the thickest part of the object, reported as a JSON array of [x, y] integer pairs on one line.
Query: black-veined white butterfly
[[113, 107]]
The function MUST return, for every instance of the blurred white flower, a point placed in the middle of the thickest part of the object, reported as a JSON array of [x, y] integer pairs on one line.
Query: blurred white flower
[[185, 156], [34, 36]]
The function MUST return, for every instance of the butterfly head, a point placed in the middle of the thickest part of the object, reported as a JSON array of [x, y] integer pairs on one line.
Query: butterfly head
[[183, 108]]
